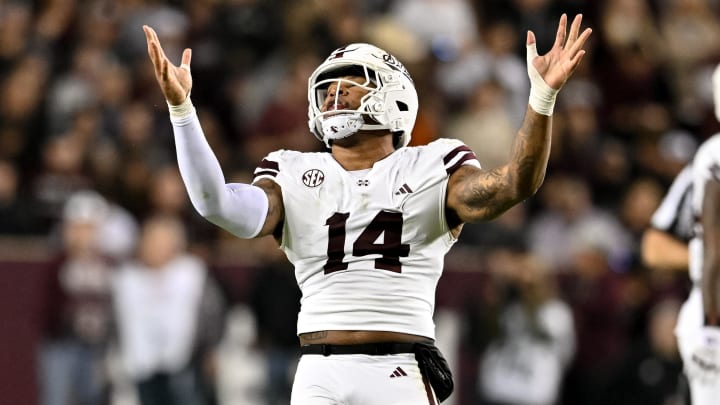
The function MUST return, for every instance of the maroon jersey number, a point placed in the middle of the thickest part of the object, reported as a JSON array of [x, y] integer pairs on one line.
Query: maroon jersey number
[[392, 249]]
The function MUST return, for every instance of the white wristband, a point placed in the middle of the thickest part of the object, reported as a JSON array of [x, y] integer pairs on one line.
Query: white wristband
[[182, 110], [542, 96]]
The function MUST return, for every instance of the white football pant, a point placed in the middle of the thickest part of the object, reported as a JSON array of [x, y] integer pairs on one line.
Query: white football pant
[[690, 322], [358, 379]]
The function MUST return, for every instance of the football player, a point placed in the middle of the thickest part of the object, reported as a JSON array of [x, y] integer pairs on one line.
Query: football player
[[698, 325], [698, 328], [664, 245], [367, 225]]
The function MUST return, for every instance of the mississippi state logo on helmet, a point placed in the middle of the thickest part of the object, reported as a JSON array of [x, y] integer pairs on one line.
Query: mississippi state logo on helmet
[[391, 102]]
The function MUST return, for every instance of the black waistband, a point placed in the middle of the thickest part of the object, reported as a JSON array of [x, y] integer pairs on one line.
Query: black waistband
[[373, 349]]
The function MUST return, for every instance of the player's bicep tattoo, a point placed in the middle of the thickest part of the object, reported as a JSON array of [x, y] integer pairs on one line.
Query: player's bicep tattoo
[[477, 194]]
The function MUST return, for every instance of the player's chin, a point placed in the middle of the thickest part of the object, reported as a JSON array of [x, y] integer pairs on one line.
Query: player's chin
[[347, 142], [358, 137]]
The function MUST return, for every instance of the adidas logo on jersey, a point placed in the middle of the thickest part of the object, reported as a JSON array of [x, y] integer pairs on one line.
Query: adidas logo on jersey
[[405, 189], [398, 373]]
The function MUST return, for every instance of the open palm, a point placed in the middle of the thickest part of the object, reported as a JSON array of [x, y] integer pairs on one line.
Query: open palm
[[175, 81], [556, 66]]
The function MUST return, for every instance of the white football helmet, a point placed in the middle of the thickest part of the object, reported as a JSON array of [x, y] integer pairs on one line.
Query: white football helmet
[[391, 102]]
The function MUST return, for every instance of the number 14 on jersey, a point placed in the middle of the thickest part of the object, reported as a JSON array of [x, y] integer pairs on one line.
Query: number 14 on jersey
[[386, 223]]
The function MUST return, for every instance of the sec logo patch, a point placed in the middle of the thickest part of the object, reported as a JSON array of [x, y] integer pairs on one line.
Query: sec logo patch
[[313, 178]]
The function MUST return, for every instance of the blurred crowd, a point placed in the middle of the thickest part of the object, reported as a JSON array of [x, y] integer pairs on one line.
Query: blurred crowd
[[551, 302]]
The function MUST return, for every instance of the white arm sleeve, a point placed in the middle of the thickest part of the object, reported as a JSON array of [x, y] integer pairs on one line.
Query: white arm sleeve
[[241, 209]]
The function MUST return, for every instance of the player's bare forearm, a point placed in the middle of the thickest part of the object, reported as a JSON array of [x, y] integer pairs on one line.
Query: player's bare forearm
[[480, 194], [710, 287], [661, 251], [276, 211], [530, 153], [710, 218]]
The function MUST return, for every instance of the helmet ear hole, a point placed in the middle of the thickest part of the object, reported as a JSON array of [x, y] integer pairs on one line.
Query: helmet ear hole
[[401, 106]]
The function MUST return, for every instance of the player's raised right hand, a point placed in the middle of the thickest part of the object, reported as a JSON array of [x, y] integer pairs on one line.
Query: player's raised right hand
[[175, 81]]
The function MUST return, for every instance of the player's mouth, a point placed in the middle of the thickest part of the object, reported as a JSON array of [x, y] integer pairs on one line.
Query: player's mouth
[[334, 109]]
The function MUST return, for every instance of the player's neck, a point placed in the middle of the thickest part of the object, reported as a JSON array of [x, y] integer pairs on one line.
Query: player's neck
[[362, 150]]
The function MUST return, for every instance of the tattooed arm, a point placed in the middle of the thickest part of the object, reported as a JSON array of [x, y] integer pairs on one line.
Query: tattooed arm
[[477, 194]]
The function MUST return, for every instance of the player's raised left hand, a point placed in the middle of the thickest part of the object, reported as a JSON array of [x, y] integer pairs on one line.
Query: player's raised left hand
[[175, 81], [556, 66]]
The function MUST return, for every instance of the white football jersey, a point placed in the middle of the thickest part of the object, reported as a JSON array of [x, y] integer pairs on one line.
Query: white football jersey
[[675, 214], [706, 167], [367, 246], [690, 322]]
